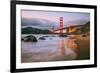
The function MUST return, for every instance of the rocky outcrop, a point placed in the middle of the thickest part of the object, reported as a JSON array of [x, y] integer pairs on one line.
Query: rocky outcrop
[[30, 38]]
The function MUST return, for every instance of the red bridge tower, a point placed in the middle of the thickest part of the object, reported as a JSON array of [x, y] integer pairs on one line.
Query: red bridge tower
[[61, 25]]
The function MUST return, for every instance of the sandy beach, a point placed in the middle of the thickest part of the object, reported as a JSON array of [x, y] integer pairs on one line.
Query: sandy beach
[[83, 47], [73, 48]]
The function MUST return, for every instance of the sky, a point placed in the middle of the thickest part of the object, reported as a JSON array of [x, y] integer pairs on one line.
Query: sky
[[69, 18]]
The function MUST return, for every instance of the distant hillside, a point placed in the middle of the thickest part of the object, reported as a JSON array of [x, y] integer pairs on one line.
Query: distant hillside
[[81, 29], [30, 30], [38, 23], [86, 28]]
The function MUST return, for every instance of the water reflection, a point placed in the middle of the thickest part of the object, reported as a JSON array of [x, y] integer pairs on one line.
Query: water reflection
[[68, 48], [52, 49]]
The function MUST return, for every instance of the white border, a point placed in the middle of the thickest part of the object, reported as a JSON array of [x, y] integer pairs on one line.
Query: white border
[[20, 65]]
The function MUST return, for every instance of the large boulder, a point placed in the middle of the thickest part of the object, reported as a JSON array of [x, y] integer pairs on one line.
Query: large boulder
[[30, 38]]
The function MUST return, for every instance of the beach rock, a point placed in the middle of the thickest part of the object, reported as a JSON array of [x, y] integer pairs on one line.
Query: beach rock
[[62, 35], [22, 39], [42, 38], [84, 35], [30, 38]]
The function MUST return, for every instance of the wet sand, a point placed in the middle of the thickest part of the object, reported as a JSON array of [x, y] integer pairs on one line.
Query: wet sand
[[83, 48], [74, 48], [79, 45]]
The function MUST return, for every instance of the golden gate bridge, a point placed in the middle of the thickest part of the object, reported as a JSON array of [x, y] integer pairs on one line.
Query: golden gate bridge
[[63, 30]]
